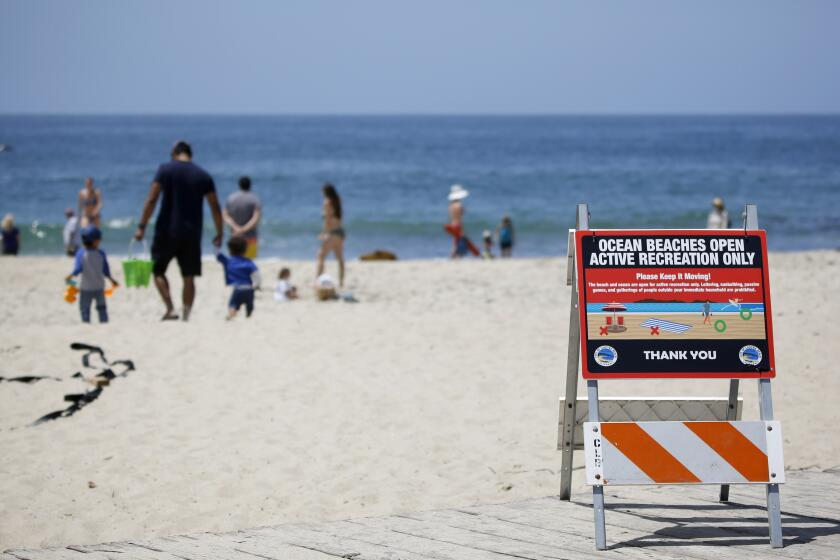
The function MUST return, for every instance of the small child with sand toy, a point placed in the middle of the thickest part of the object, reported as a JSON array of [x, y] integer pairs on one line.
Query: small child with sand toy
[[92, 264]]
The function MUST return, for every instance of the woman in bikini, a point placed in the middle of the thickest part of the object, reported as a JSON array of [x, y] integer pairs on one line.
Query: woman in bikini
[[332, 235], [90, 204]]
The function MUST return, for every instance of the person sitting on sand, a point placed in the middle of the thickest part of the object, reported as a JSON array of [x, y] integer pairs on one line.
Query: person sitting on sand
[[505, 234], [332, 235], [487, 253], [92, 263], [72, 233], [325, 288], [11, 235], [90, 204], [284, 290], [718, 217], [242, 274]]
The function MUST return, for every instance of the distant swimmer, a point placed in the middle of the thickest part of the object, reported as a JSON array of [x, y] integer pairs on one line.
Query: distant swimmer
[[90, 204], [5, 147]]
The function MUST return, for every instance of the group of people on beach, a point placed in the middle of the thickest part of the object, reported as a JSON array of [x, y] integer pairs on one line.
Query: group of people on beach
[[182, 187], [461, 244]]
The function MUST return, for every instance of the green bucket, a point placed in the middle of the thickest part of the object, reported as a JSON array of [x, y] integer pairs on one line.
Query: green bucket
[[137, 271]]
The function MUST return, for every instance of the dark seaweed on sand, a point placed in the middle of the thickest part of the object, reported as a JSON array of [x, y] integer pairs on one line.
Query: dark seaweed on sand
[[89, 349], [80, 400], [28, 379]]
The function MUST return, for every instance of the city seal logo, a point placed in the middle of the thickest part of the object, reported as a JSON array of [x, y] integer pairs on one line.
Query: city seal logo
[[605, 356], [750, 355]]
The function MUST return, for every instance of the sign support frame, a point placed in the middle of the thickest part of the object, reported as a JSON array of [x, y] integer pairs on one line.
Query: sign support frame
[[566, 440], [566, 436], [750, 222]]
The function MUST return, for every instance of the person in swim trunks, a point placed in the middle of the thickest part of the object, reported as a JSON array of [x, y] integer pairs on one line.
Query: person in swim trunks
[[182, 186], [332, 236], [90, 204]]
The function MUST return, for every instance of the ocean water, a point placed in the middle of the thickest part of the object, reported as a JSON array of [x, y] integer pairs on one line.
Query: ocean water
[[394, 173]]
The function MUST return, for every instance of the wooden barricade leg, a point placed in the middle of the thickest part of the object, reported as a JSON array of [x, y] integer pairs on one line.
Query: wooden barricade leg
[[731, 414], [567, 435], [598, 490]]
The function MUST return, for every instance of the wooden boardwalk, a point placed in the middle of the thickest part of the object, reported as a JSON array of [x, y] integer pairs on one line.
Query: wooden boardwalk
[[642, 523]]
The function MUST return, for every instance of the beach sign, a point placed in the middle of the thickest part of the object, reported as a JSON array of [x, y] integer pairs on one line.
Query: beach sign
[[670, 304], [674, 304]]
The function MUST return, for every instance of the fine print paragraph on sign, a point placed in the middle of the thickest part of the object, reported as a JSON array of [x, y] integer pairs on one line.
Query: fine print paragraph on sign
[[678, 303]]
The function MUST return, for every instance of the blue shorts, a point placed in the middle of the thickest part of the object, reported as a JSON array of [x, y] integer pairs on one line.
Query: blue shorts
[[462, 247], [240, 297]]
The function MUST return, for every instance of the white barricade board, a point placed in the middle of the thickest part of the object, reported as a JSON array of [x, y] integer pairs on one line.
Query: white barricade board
[[624, 453]]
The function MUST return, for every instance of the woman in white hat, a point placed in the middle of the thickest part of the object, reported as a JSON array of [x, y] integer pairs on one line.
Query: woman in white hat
[[460, 243]]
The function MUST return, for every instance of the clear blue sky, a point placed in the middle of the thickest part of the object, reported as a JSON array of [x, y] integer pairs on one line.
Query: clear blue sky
[[425, 56]]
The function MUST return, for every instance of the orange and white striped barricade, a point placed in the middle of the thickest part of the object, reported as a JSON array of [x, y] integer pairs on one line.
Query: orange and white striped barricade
[[625, 453], [693, 304]]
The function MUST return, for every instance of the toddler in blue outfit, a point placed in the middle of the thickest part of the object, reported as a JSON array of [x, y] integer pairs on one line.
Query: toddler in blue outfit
[[92, 263], [242, 274]]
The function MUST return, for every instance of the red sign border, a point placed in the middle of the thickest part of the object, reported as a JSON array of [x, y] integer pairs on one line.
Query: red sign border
[[581, 288]]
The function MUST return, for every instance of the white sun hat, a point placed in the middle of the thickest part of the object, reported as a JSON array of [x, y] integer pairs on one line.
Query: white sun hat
[[325, 281], [457, 192]]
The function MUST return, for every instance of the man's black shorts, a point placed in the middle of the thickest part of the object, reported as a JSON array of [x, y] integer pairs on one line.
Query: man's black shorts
[[186, 251]]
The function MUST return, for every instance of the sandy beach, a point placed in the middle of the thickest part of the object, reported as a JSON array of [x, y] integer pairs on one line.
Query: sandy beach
[[438, 389]]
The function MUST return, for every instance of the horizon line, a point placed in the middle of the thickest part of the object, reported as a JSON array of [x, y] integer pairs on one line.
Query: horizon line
[[420, 114]]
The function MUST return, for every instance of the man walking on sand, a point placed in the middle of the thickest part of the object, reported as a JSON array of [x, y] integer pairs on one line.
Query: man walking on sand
[[184, 186], [242, 213]]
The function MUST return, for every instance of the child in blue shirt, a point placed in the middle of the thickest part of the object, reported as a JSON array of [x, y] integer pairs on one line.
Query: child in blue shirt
[[242, 274], [505, 231], [92, 263]]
